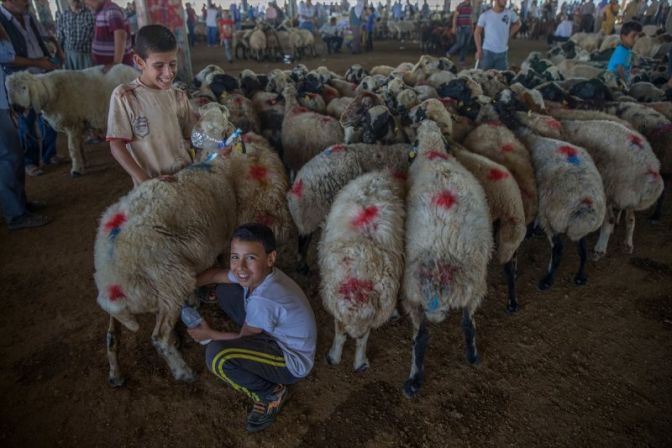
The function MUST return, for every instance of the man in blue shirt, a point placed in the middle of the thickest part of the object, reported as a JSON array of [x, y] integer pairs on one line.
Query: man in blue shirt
[[620, 61], [15, 208], [276, 342]]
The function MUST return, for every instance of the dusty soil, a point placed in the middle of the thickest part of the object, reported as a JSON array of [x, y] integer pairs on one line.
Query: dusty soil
[[577, 366]]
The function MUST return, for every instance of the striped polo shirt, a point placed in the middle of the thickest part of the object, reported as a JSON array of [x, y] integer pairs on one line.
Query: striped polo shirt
[[463, 12], [109, 19]]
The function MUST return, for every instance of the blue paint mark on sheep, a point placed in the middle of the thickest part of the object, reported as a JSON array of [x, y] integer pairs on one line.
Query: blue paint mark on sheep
[[574, 160], [433, 304]]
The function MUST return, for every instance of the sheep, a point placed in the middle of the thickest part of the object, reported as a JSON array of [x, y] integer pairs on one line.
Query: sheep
[[241, 112], [355, 73], [270, 109], [307, 42], [337, 106], [143, 228], [646, 92], [257, 43], [312, 101], [506, 211], [629, 169], [385, 70], [610, 42], [496, 142], [569, 68], [361, 259], [448, 246], [587, 41], [344, 88], [434, 110], [352, 118], [305, 133], [571, 197], [71, 101], [560, 113], [541, 124]]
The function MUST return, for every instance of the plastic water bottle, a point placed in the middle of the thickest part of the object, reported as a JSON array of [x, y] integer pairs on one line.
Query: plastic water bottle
[[192, 319]]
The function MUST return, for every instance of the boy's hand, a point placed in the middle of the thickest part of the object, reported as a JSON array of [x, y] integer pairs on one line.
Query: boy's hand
[[200, 333], [226, 151]]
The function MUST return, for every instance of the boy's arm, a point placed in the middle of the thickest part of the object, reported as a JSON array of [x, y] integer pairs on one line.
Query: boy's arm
[[204, 331], [121, 155], [478, 40], [211, 276]]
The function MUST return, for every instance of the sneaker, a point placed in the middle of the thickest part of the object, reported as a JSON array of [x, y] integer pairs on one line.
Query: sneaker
[[35, 206], [264, 411], [33, 170], [28, 220]]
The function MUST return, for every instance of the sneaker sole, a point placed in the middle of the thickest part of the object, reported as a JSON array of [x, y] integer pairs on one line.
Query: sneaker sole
[[263, 426]]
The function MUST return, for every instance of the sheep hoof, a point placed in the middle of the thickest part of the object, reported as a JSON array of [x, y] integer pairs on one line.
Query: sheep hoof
[[331, 361], [187, 377], [117, 381], [394, 317], [597, 255], [75, 174], [512, 308], [580, 279], [474, 359], [411, 387], [545, 285], [627, 249], [363, 368]]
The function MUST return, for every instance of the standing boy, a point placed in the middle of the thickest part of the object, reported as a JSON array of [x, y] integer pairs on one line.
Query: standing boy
[[276, 342], [499, 24], [226, 34], [463, 29], [149, 123], [620, 61]]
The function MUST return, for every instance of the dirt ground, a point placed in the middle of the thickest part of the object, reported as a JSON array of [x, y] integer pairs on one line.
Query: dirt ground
[[577, 366]]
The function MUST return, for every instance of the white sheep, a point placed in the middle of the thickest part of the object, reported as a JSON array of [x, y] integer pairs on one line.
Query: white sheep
[[505, 203], [361, 259], [448, 246], [571, 197], [305, 133], [630, 172], [71, 101]]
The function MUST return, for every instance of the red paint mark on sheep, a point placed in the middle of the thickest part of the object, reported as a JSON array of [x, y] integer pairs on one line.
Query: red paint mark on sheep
[[636, 140], [365, 217], [258, 172], [433, 155], [238, 100], [115, 293], [568, 151], [444, 199], [494, 123], [507, 148], [264, 218], [271, 102], [338, 148], [326, 120], [299, 110], [297, 188], [552, 123], [116, 221], [587, 201], [653, 173], [247, 138], [356, 290], [399, 175], [496, 174]]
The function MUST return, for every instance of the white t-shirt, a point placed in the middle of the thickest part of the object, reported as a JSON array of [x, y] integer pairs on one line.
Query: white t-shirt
[[564, 29], [496, 27], [211, 17], [280, 308]]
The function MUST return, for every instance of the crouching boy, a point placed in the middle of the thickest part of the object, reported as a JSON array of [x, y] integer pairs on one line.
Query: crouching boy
[[276, 343]]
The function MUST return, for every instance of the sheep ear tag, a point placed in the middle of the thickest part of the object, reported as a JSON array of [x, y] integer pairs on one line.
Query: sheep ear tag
[[412, 154]]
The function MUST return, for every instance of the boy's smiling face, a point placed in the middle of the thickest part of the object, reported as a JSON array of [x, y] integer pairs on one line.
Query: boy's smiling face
[[158, 69], [250, 263], [628, 40]]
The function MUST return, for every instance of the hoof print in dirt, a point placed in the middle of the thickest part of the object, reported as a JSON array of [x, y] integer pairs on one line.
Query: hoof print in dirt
[[117, 382]]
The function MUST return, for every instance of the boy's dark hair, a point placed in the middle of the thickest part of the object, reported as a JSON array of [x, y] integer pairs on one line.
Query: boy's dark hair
[[253, 232], [629, 27], [154, 39]]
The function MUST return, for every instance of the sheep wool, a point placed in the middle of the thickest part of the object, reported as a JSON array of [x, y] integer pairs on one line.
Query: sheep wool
[[361, 259], [448, 245], [629, 169]]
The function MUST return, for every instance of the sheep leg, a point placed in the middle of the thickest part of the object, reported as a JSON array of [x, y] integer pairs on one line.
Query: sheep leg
[[605, 232], [420, 339], [334, 355], [469, 328], [75, 150], [629, 230], [115, 378], [581, 278], [556, 255], [510, 271], [361, 361], [163, 339]]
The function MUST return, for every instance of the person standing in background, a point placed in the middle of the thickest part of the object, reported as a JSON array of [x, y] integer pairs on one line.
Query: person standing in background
[[191, 23], [226, 34], [75, 34], [211, 24], [17, 211], [370, 26], [111, 36], [462, 29], [499, 24], [31, 54], [356, 13], [609, 14]]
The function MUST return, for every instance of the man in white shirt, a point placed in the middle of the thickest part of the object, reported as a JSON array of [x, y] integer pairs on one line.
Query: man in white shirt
[[211, 23], [563, 32], [499, 24]]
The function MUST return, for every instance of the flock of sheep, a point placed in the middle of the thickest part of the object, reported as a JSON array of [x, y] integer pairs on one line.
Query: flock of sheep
[[414, 174]]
